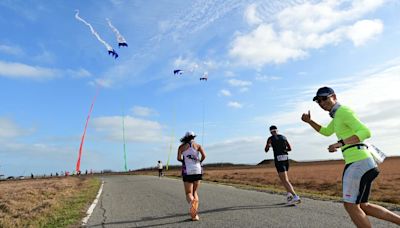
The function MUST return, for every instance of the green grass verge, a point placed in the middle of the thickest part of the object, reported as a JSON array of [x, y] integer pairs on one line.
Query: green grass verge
[[71, 210]]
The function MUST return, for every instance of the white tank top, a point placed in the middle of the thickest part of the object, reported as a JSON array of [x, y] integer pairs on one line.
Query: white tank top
[[191, 161]]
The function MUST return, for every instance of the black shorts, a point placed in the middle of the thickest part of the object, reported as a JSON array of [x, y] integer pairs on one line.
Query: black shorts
[[192, 178], [282, 166]]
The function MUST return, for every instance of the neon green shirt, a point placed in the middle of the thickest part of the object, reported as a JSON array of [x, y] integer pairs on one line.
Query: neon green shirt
[[345, 123]]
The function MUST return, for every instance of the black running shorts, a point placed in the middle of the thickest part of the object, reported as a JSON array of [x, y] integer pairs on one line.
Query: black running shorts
[[192, 178], [282, 166]]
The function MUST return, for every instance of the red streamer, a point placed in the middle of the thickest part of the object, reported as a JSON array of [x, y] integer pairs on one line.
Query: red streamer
[[78, 163]]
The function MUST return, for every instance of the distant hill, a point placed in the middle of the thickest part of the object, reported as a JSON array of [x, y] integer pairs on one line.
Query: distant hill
[[271, 161], [211, 165], [263, 162]]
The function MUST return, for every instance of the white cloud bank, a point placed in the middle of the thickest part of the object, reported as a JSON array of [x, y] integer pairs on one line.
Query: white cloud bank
[[374, 99], [20, 70], [10, 130], [143, 111], [11, 50], [16, 70], [242, 85], [298, 29], [225, 93], [136, 130], [235, 104]]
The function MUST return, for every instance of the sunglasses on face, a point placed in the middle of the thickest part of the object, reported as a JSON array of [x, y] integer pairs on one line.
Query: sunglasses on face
[[320, 99]]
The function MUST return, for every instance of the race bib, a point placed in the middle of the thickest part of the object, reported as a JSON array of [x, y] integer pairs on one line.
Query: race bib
[[282, 157]]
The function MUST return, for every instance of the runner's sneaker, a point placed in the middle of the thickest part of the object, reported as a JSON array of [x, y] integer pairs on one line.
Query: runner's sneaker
[[289, 197], [295, 200], [196, 218]]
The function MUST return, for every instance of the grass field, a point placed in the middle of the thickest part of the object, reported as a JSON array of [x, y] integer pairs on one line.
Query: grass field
[[53, 202], [323, 177], [63, 201]]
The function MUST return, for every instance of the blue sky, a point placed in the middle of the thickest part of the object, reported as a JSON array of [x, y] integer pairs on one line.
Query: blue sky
[[264, 60]]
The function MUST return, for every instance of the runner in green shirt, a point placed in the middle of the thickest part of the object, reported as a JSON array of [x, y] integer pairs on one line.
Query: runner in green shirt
[[360, 169]]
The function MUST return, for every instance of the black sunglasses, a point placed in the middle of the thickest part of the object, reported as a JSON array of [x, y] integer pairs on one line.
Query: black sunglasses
[[320, 99]]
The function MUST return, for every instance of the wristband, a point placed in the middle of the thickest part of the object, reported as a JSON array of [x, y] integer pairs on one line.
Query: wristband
[[342, 142]]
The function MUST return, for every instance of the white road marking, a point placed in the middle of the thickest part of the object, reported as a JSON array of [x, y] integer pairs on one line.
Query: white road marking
[[91, 208]]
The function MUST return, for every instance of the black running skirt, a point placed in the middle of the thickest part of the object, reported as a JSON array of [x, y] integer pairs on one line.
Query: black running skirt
[[192, 178]]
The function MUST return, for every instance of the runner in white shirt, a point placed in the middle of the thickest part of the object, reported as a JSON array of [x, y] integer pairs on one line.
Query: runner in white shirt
[[189, 154], [160, 169]]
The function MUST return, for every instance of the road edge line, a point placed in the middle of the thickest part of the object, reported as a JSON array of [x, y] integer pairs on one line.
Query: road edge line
[[91, 208]]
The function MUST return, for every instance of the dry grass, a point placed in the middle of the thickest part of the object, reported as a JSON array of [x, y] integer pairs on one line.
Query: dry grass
[[44, 202], [315, 178]]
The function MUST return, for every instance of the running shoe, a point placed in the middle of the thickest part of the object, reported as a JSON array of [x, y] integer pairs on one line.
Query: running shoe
[[296, 200], [289, 197]]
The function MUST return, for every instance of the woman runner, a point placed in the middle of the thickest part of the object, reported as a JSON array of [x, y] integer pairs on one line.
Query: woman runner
[[192, 172]]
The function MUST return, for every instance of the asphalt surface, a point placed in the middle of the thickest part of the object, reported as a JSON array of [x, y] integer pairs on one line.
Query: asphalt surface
[[146, 201]]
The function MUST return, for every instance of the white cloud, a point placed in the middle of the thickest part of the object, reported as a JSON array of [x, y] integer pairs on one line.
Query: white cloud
[[375, 100], [251, 15], [196, 17], [186, 64], [80, 73], [136, 130], [324, 16], [235, 104], [143, 111], [297, 29], [263, 45], [20, 70], [9, 129], [103, 82], [239, 83], [229, 74], [11, 50], [225, 93], [210, 65], [231, 150], [266, 78], [364, 30], [45, 57]]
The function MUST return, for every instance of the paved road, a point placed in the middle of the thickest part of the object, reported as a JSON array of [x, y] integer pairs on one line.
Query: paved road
[[145, 201]]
